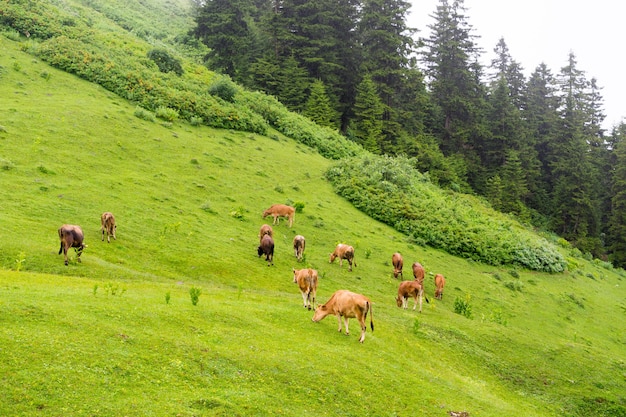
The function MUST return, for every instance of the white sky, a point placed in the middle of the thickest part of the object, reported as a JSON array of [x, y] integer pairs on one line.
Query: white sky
[[537, 31]]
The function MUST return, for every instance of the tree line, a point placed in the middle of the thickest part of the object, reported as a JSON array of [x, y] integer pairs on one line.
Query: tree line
[[531, 146]]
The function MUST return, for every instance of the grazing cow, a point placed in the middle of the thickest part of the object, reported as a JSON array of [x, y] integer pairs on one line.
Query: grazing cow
[[266, 247], [440, 281], [280, 210], [410, 289], [108, 225], [298, 246], [346, 304], [398, 263], [71, 236], [418, 273], [342, 252], [307, 281], [266, 229]]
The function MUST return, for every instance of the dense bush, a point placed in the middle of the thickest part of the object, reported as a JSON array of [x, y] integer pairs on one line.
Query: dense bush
[[392, 191], [165, 61]]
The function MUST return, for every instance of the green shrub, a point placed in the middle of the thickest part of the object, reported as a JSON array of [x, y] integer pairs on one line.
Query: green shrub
[[299, 206], [224, 89], [165, 61], [167, 114], [144, 114], [195, 293], [463, 307], [6, 164]]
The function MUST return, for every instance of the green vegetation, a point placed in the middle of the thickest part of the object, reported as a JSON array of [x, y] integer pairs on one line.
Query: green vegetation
[[97, 338]]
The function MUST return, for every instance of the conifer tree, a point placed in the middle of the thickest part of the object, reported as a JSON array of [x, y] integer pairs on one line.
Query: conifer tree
[[367, 124], [616, 234], [318, 107]]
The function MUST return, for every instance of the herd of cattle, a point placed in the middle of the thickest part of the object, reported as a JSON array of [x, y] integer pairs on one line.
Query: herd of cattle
[[342, 303]]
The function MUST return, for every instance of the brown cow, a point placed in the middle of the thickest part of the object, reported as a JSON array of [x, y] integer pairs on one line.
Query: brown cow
[[440, 281], [266, 229], [346, 304], [298, 246], [398, 263], [410, 289], [280, 210], [307, 281], [342, 252], [266, 247], [71, 236], [108, 225], [418, 273]]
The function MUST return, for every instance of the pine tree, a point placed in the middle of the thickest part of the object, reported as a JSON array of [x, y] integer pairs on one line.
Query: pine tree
[[318, 107], [367, 124], [616, 234]]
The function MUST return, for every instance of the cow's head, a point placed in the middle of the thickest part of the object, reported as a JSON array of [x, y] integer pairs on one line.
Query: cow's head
[[399, 301], [320, 312], [332, 257], [295, 274], [260, 251]]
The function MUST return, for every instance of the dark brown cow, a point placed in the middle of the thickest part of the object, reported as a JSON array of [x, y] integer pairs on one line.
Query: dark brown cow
[[398, 263], [342, 252], [266, 247], [280, 210], [409, 289], [440, 282], [418, 273], [298, 246], [108, 225], [71, 236], [346, 304], [307, 281], [266, 229]]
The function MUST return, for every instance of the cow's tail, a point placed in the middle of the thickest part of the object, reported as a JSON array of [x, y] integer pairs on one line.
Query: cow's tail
[[371, 315], [61, 248]]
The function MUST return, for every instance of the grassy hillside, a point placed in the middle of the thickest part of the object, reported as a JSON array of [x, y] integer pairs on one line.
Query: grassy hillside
[[118, 335]]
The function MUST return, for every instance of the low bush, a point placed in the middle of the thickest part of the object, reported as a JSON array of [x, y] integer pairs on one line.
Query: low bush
[[393, 192]]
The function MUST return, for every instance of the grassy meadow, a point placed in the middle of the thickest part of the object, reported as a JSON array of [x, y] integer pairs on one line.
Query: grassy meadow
[[118, 334]]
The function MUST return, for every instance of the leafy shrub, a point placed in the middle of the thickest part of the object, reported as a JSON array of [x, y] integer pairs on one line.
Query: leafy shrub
[[195, 293], [392, 191], [463, 307], [299, 206], [516, 285], [6, 164], [144, 114], [224, 89], [167, 114], [165, 61]]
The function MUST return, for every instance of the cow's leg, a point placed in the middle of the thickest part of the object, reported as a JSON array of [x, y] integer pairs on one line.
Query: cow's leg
[[420, 296], [345, 320], [339, 321], [65, 256], [102, 230], [363, 328], [350, 264]]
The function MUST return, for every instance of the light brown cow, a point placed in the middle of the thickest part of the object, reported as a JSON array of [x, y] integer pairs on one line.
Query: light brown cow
[[71, 236], [410, 289], [280, 210], [346, 304], [307, 281], [342, 252], [109, 227], [298, 246], [418, 273], [266, 229], [398, 263], [440, 282]]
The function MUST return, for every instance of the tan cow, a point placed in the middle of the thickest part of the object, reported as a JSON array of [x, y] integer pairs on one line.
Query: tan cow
[[398, 263], [440, 282], [107, 220], [280, 210], [307, 281], [418, 273], [342, 252], [71, 236], [298, 246], [266, 229], [346, 304], [410, 289]]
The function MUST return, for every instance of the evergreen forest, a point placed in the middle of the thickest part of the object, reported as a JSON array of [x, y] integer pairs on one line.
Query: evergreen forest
[[532, 146]]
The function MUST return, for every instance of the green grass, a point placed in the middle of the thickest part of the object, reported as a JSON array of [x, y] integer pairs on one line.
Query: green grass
[[188, 201]]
